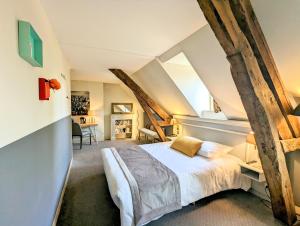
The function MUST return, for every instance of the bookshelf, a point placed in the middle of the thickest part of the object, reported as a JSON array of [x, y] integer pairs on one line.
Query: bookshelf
[[123, 126]]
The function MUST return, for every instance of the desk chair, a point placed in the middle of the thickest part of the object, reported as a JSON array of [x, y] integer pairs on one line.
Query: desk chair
[[77, 132]]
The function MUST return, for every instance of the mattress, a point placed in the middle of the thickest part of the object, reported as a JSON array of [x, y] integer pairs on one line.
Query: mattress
[[198, 177]]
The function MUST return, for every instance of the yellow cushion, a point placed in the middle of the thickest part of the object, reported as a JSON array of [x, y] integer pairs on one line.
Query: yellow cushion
[[187, 145]]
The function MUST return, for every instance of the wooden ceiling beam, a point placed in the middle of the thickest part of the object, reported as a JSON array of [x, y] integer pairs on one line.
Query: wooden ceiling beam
[[164, 123], [147, 103], [268, 143], [152, 119], [266, 111], [242, 46], [138, 91]]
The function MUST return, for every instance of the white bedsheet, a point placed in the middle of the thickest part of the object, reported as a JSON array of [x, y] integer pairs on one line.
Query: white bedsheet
[[199, 177]]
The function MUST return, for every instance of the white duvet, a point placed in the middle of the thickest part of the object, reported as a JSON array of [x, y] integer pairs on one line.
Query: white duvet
[[199, 177]]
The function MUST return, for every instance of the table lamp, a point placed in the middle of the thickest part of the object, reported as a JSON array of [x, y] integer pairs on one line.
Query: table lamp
[[251, 146], [174, 122]]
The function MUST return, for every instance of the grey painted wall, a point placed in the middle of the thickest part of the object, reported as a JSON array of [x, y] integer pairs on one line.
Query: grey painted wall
[[32, 173]]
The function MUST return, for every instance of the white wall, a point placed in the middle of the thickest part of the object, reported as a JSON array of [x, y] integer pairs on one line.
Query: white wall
[[21, 110], [96, 102], [33, 168], [116, 93]]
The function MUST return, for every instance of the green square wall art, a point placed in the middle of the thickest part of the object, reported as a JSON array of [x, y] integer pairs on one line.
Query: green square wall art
[[30, 44]]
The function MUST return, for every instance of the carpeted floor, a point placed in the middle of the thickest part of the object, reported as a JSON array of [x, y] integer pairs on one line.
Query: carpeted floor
[[87, 201]]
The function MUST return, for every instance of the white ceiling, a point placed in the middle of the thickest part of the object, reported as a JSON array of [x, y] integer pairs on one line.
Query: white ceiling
[[99, 34]]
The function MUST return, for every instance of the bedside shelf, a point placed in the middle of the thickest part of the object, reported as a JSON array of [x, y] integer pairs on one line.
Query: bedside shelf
[[30, 44], [253, 171]]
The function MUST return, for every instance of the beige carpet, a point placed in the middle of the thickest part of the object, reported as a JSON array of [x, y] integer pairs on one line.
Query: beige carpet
[[87, 201]]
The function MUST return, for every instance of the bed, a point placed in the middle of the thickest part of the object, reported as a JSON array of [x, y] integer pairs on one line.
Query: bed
[[198, 177]]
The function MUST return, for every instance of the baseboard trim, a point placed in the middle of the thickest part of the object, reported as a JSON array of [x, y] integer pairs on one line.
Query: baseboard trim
[[58, 208], [263, 196], [258, 194]]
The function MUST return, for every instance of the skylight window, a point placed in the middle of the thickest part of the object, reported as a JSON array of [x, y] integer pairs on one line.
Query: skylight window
[[191, 86]]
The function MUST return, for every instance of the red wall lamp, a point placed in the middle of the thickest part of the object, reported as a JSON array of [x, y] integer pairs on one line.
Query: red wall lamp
[[45, 85]]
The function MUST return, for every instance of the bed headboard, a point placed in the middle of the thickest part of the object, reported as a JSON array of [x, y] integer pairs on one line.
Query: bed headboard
[[232, 133]]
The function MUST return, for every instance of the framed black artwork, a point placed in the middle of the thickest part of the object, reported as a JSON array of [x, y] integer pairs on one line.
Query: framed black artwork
[[80, 102]]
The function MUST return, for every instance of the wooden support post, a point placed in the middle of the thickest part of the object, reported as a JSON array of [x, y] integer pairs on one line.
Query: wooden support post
[[147, 103], [263, 96], [152, 119], [270, 150]]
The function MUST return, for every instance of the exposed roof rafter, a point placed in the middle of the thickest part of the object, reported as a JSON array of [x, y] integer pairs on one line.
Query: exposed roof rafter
[[147, 103], [263, 95]]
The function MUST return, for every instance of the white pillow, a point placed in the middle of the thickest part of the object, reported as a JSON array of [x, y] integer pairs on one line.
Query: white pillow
[[211, 149]]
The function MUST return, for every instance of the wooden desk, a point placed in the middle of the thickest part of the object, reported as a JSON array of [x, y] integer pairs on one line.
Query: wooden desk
[[86, 125], [92, 128]]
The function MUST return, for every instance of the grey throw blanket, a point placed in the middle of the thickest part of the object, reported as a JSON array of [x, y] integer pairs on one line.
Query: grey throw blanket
[[154, 187]]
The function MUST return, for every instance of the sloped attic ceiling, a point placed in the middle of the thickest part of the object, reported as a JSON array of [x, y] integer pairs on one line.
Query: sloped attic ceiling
[[279, 22], [158, 85]]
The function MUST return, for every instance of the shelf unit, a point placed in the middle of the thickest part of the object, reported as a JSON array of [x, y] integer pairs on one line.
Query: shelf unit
[[123, 126]]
